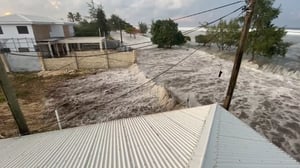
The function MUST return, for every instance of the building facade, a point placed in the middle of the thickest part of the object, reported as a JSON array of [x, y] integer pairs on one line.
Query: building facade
[[22, 33], [21, 38]]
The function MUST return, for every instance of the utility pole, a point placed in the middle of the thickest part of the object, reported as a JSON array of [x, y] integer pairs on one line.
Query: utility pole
[[121, 35], [239, 53], [12, 101], [106, 52]]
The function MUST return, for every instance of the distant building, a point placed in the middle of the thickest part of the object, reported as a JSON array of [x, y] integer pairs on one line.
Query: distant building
[[26, 38], [22, 33]]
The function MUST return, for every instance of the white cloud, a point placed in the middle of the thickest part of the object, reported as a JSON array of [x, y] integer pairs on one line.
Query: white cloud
[[132, 10], [55, 3]]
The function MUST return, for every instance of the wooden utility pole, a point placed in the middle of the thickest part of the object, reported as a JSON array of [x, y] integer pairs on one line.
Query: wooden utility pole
[[239, 53], [106, 52], [12, 101], [121, 35]]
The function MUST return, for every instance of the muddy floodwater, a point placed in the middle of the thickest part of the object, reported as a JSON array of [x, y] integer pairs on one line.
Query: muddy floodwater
[[267, 102]]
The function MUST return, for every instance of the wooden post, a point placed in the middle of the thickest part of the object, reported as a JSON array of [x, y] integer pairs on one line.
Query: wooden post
[[239, 54], [42, 62], [68, 49], [78, 46], [50, 50], [12, 101], [121, 35], [57, 50], [134, 56], [107, 57], [76, 61], [4, 61]]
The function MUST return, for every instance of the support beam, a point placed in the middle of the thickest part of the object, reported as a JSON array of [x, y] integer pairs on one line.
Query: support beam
[[68, 49], [57, 50], [12, 101], [50, 49], [79, 46]]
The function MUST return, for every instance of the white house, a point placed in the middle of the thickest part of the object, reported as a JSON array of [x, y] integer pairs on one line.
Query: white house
[[21, 33], [26, 35]]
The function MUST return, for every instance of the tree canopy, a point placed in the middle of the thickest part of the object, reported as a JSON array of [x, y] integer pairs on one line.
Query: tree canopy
[[225, 34], [143, 27], [98, 17], [165, 33], [266, 39], [97, 20], [72, 17]]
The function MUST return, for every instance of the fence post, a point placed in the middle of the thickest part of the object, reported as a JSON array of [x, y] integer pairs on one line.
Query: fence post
[[12, 101], [42, 62], [76, 60], [4, 60], [107, 59], [134, 57]]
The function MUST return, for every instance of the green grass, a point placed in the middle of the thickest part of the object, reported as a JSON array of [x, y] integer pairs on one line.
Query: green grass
[[2, 97]]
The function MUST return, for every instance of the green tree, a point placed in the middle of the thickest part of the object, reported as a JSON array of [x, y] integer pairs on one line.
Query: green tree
[[131, 30], [78, 17], [115, 22], [220, 34], [165, 33], [203, 39], [143, 27], [232, 34], [98, 17], [266, 39], [187, 38], [85, 28], [71, 17], [225, 34]]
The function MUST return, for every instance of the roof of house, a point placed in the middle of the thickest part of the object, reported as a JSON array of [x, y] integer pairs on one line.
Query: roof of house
[[206, 136], [29, 19]]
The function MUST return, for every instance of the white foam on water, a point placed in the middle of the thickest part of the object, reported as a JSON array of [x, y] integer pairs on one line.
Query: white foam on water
[[266, 101]]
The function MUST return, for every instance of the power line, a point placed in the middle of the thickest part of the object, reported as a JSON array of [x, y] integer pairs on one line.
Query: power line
[[212, 22], [209, 10]]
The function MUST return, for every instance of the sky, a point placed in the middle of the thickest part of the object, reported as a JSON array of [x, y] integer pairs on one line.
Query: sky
[[134, 11]]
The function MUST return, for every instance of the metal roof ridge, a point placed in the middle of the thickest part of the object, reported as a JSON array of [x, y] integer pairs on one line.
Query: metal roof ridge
[[24, 17], [200, 150]]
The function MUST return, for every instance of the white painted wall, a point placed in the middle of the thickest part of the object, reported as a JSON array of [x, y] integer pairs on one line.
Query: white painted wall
[[71, 30], [23, 63], [57, 31], [25, 40]]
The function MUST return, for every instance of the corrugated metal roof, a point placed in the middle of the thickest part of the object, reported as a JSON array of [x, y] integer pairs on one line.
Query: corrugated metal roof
[[207, 136], [233, 143], [29, 19]]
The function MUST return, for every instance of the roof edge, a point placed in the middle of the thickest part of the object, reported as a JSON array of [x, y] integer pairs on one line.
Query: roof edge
[[198, 157]]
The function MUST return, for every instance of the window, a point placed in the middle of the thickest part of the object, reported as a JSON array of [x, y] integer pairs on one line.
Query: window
[[22, 29], [1, 32], [5, 50], [23, 49]]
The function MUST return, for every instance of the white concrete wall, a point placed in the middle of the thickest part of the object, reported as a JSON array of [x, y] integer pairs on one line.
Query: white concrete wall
[[71, 30], [57, 31], [23, 63], [11, 32]]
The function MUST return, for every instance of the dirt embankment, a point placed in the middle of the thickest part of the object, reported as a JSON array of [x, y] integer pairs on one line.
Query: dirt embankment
[[31, 89]]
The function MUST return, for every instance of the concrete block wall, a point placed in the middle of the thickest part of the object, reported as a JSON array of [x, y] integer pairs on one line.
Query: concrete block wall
[[67, 63], [99, 61], [28, 62]]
